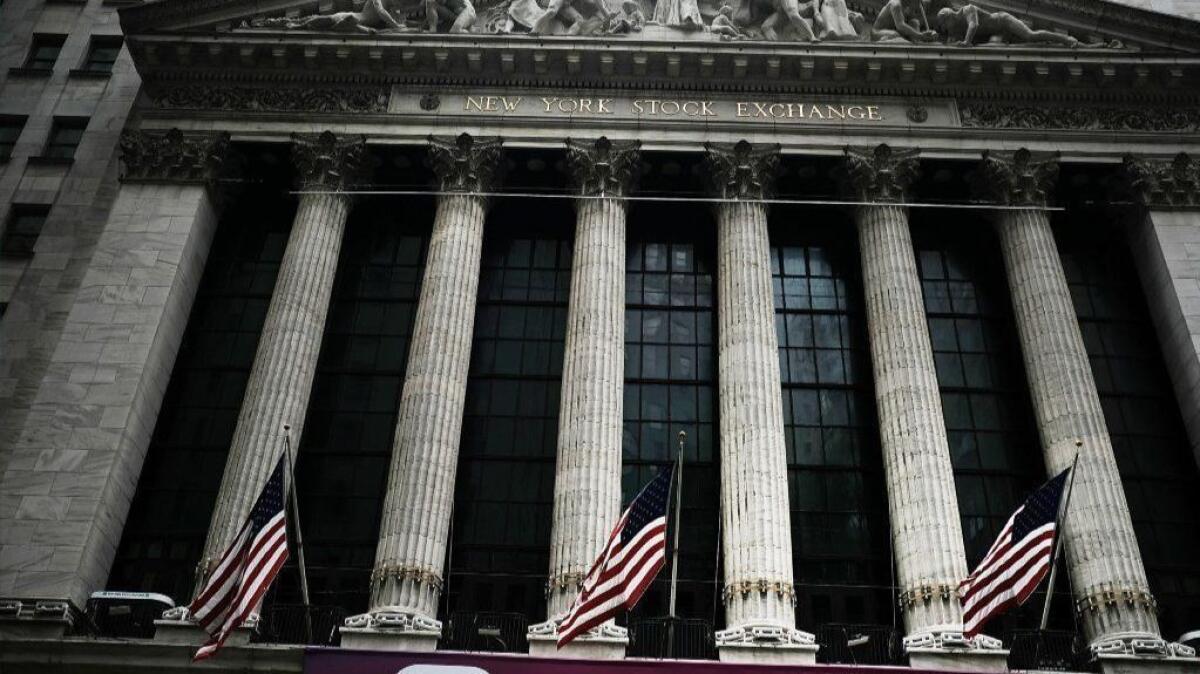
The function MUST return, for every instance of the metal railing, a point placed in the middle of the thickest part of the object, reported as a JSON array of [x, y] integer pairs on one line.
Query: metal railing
[[859, 644], [671, 638], [1047, 650], [486, 631], [292, 624]]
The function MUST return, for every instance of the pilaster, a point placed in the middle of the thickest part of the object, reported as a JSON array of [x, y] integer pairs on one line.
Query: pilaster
[[75, 466], [1165, 239], [1112, 597], [414, 532], [926, 529], [759, 593], [587, 484]]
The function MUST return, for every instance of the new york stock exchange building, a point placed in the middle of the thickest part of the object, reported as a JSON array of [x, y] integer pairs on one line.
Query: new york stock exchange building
[[876, 269]]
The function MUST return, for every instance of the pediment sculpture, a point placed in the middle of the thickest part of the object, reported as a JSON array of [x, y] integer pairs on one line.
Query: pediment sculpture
[[940, 22]]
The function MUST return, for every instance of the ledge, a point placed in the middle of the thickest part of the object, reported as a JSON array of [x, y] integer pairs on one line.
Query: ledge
[[85, 74], [21, 71], [49, 161]]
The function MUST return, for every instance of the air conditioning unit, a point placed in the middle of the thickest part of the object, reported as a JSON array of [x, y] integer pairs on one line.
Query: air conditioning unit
[[128, 615]]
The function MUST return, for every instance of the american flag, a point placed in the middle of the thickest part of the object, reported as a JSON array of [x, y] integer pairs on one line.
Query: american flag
[[1017, 561], [246, 570], [635, 552]]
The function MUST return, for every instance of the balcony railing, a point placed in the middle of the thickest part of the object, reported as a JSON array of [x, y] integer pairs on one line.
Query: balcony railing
[[293, 624], [486, 631], [1048, 650], [859, 645], [671, 638]]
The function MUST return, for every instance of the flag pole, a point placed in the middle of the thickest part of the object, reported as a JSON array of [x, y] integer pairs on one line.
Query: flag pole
[[1058, 539], [675, 545], [287, 448]]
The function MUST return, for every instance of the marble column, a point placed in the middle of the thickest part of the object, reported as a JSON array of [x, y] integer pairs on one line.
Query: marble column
[[587, 483], [1166, 248], [757, 539], [285, 362], [927, 539], [1113, 600], [407, 579], [71, 474]]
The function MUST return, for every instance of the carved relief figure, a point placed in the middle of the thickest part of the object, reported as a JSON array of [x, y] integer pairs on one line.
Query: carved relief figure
[[794, 15], [629, 20], [372, 18], [838, 22], [569, 17], [459, 13], [969, 24], [723, 25], [683, 14], [899, 21]]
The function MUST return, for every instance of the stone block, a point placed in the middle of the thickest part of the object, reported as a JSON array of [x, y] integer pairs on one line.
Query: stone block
[[755, 654], [376, 639]]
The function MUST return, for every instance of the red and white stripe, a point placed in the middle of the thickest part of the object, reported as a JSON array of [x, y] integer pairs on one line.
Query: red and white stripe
[[1008, 574], [236, 586], [618, 579]]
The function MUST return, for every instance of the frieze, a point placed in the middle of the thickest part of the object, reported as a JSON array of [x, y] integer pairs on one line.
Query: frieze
[[1084, 118], [364, 99]]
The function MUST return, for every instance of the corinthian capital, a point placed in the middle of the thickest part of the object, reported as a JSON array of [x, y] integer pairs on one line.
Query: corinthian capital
[[464, 164], [742, 171], [1017, 179], [603, 168], [171, 156], [879, 173], [1165, 184], [326, 162]]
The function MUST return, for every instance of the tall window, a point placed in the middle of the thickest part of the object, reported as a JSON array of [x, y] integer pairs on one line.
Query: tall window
[[168, 520], [44, 51], [670, 385], [10, 131], [1162, 484], [505, 484], [102, 53], [836, 490], [990, 425], [344, 457], [65, 135], [25, 222]]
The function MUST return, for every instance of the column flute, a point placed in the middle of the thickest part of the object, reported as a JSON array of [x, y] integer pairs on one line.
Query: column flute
[[759, 594], [407, 578], [1112, 596], [587, 484]]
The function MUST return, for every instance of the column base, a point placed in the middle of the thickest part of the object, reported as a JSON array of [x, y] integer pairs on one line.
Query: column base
[[766, 644], [36, 618], [1145, 654], [391, 630], [953, 651], [177, 627], [606, 642]]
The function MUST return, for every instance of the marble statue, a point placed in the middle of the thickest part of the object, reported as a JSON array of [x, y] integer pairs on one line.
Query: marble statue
[[795, 17], [682, 14], [459, 13], [970, 25], [723, 25], [374, 17], [837, 22], [629, 20], [901, 21]]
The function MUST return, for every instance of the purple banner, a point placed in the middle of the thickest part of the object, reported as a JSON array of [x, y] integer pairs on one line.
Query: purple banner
[[343, 661]]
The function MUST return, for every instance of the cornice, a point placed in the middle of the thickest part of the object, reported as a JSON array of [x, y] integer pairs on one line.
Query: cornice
[[1011, 73]]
